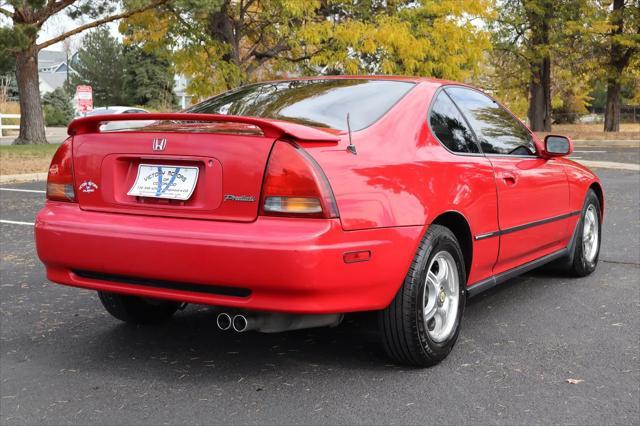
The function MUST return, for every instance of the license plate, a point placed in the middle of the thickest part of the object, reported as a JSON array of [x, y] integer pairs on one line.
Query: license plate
[[172, 182]]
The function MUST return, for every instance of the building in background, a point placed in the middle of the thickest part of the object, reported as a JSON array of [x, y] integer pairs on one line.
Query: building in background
[[53, 70]]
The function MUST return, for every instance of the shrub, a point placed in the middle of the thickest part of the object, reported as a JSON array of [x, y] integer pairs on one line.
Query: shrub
[[58, 110]]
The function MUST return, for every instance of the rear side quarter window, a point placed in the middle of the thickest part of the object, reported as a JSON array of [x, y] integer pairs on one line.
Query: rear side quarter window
[[497, 130], [450, 127]]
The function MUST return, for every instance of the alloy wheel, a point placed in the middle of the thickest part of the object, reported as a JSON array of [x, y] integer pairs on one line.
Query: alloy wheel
[[441, 297]]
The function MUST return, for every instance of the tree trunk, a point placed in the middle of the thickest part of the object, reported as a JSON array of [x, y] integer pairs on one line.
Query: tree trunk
[[31, 117], [617, 63], [540, 84], [612, 108], [540, 97]]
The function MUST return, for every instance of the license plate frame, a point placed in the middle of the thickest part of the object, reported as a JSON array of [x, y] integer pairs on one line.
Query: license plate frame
[[172, 182]]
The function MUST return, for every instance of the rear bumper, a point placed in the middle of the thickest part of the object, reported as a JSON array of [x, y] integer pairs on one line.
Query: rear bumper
[[272, 264]]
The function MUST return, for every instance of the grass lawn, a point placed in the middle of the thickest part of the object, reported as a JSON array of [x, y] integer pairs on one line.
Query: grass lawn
[[15, 159]]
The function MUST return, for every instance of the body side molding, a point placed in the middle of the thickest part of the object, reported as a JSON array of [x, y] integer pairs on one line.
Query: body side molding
[[525, 226]]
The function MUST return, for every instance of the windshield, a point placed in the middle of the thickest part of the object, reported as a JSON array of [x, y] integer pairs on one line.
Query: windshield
[[319, 103]]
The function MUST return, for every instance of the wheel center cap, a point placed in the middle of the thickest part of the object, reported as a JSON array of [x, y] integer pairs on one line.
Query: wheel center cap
[[442, 296]]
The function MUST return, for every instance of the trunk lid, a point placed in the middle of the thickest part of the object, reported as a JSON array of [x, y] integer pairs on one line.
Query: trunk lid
[[227, 165], [230, 158]]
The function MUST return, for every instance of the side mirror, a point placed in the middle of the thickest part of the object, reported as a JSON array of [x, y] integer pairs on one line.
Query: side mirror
[[557, 146]]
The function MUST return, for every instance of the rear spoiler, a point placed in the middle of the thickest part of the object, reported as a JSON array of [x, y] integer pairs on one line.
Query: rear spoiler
[[270, 128]]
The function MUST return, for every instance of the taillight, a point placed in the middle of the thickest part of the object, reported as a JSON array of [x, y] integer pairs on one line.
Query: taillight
[[294, 185], [60, 178]]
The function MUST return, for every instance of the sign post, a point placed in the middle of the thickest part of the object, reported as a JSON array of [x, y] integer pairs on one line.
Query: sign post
[[84, 99]]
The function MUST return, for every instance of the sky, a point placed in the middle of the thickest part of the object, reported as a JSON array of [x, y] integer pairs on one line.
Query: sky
[[60, 23], [57, 25]]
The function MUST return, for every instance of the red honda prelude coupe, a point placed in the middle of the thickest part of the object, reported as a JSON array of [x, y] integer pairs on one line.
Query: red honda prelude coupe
[[290, 203]]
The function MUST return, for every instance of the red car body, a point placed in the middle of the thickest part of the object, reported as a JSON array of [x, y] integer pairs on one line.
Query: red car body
[[510, 213]]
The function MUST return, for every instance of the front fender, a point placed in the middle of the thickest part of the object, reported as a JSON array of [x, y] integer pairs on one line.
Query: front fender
[[581, 179]]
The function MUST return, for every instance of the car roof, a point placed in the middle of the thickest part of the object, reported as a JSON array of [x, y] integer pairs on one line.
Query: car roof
[[409, 79]]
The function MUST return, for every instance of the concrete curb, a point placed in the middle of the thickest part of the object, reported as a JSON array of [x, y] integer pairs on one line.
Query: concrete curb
[[26, 177]]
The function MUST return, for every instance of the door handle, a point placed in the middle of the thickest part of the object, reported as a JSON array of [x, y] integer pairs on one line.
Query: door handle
[[509, 178]]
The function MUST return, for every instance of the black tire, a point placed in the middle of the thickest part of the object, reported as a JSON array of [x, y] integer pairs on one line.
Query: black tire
[[581, 265], [402, 326], [137, 310]]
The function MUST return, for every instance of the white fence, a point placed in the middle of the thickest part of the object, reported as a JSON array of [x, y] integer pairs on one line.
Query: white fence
[[8, 126]]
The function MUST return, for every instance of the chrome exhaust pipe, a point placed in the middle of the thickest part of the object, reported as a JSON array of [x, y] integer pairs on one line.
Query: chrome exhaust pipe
[[276, 323], [240, 323], [224, 321]]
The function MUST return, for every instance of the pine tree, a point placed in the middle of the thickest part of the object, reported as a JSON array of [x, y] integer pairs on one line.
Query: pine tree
[[148, 79], [99, 63]]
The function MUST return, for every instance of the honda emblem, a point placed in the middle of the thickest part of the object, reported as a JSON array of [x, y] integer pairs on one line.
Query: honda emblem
[[159, 144]]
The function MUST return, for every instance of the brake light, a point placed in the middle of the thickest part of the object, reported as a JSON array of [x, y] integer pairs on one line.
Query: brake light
[[295, 185], [60, 178]]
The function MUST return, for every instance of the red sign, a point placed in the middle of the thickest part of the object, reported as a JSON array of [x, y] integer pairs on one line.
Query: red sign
[[84, 98]]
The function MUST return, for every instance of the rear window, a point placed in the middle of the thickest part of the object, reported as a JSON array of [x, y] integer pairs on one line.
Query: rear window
[[319, 103]]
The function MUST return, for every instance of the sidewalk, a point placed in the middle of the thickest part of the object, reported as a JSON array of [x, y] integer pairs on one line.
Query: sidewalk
[[24, 177], [607, 143], [54, 135]]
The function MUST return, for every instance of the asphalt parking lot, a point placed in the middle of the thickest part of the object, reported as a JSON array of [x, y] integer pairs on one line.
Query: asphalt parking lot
[[64, 360]]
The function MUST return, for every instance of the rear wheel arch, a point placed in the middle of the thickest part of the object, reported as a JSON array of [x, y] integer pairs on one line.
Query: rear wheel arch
[[459, 225]]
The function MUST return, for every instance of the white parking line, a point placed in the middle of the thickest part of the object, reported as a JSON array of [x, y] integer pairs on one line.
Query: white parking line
[[35, 191], [16, 222]]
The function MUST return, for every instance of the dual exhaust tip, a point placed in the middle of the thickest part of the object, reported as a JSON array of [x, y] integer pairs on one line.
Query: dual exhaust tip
[[274, 322], [238, 323]]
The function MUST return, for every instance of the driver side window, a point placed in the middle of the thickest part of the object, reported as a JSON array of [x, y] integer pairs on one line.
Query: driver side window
[[498, 131]]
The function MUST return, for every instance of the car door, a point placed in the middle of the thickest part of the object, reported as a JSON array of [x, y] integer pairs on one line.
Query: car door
[[533, 192], [467, 179]]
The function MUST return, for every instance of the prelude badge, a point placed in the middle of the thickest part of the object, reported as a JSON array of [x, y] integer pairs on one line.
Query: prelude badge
[[159, 144], [242, 198]]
